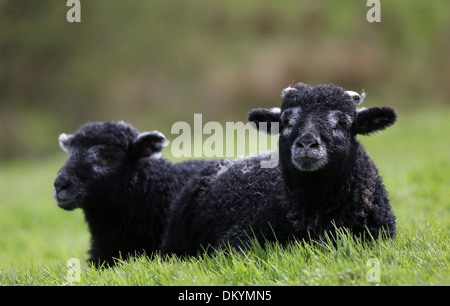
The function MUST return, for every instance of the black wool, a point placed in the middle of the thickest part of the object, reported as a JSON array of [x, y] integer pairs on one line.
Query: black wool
[[324, 179], [116, 176]]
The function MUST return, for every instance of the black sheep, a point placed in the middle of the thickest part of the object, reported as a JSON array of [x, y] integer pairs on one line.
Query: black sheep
[[324, 180], [116, 176]]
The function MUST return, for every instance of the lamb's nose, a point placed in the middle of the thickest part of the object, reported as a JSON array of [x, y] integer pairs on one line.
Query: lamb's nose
[[61, 183], [307, 141]]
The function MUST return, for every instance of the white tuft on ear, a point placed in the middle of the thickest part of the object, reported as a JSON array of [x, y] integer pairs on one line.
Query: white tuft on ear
[[64, 140], [275, 110], [286, 90], [357, 98], [163, 142]]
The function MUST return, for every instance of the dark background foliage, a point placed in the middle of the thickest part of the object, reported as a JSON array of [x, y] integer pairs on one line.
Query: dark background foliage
[[152, 63]]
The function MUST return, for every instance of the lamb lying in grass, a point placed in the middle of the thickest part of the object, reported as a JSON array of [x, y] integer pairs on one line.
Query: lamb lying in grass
[[324, 180], [118, 178]]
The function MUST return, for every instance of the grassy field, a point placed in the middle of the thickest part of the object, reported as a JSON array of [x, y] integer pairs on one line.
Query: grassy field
[[37, 238]]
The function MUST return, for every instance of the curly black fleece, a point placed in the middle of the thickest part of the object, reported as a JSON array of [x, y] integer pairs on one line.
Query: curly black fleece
[[126, 204], [238, 199]]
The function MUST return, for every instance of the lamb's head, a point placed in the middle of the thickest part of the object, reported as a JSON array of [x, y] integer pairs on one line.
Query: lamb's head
[[99, 157], [318, 125]]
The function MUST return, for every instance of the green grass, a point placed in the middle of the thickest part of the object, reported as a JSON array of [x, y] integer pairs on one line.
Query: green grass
[[37, 238]]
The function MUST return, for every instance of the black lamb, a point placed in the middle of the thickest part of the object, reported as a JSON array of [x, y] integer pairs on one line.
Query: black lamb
[[116, 176], [324, 179]]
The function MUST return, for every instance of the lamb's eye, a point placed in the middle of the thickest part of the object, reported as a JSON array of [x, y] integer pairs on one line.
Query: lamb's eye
[[286, 122], [341, 123], [338, 120], [107, 158]]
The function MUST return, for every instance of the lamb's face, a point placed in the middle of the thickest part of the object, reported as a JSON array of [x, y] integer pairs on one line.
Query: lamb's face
[[100, 156], [318, 125], [86, 173]]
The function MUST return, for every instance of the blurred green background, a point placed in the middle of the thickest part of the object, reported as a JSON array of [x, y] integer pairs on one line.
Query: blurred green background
[[152, 63]]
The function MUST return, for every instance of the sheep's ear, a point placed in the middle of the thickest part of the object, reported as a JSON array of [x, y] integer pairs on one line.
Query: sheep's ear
[[356, 97], [64, 142], [264, 119], [372, 120], [150, 144]]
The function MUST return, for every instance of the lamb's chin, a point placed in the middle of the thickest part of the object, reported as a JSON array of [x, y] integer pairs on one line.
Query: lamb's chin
[[308, 164], [66, 203]]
